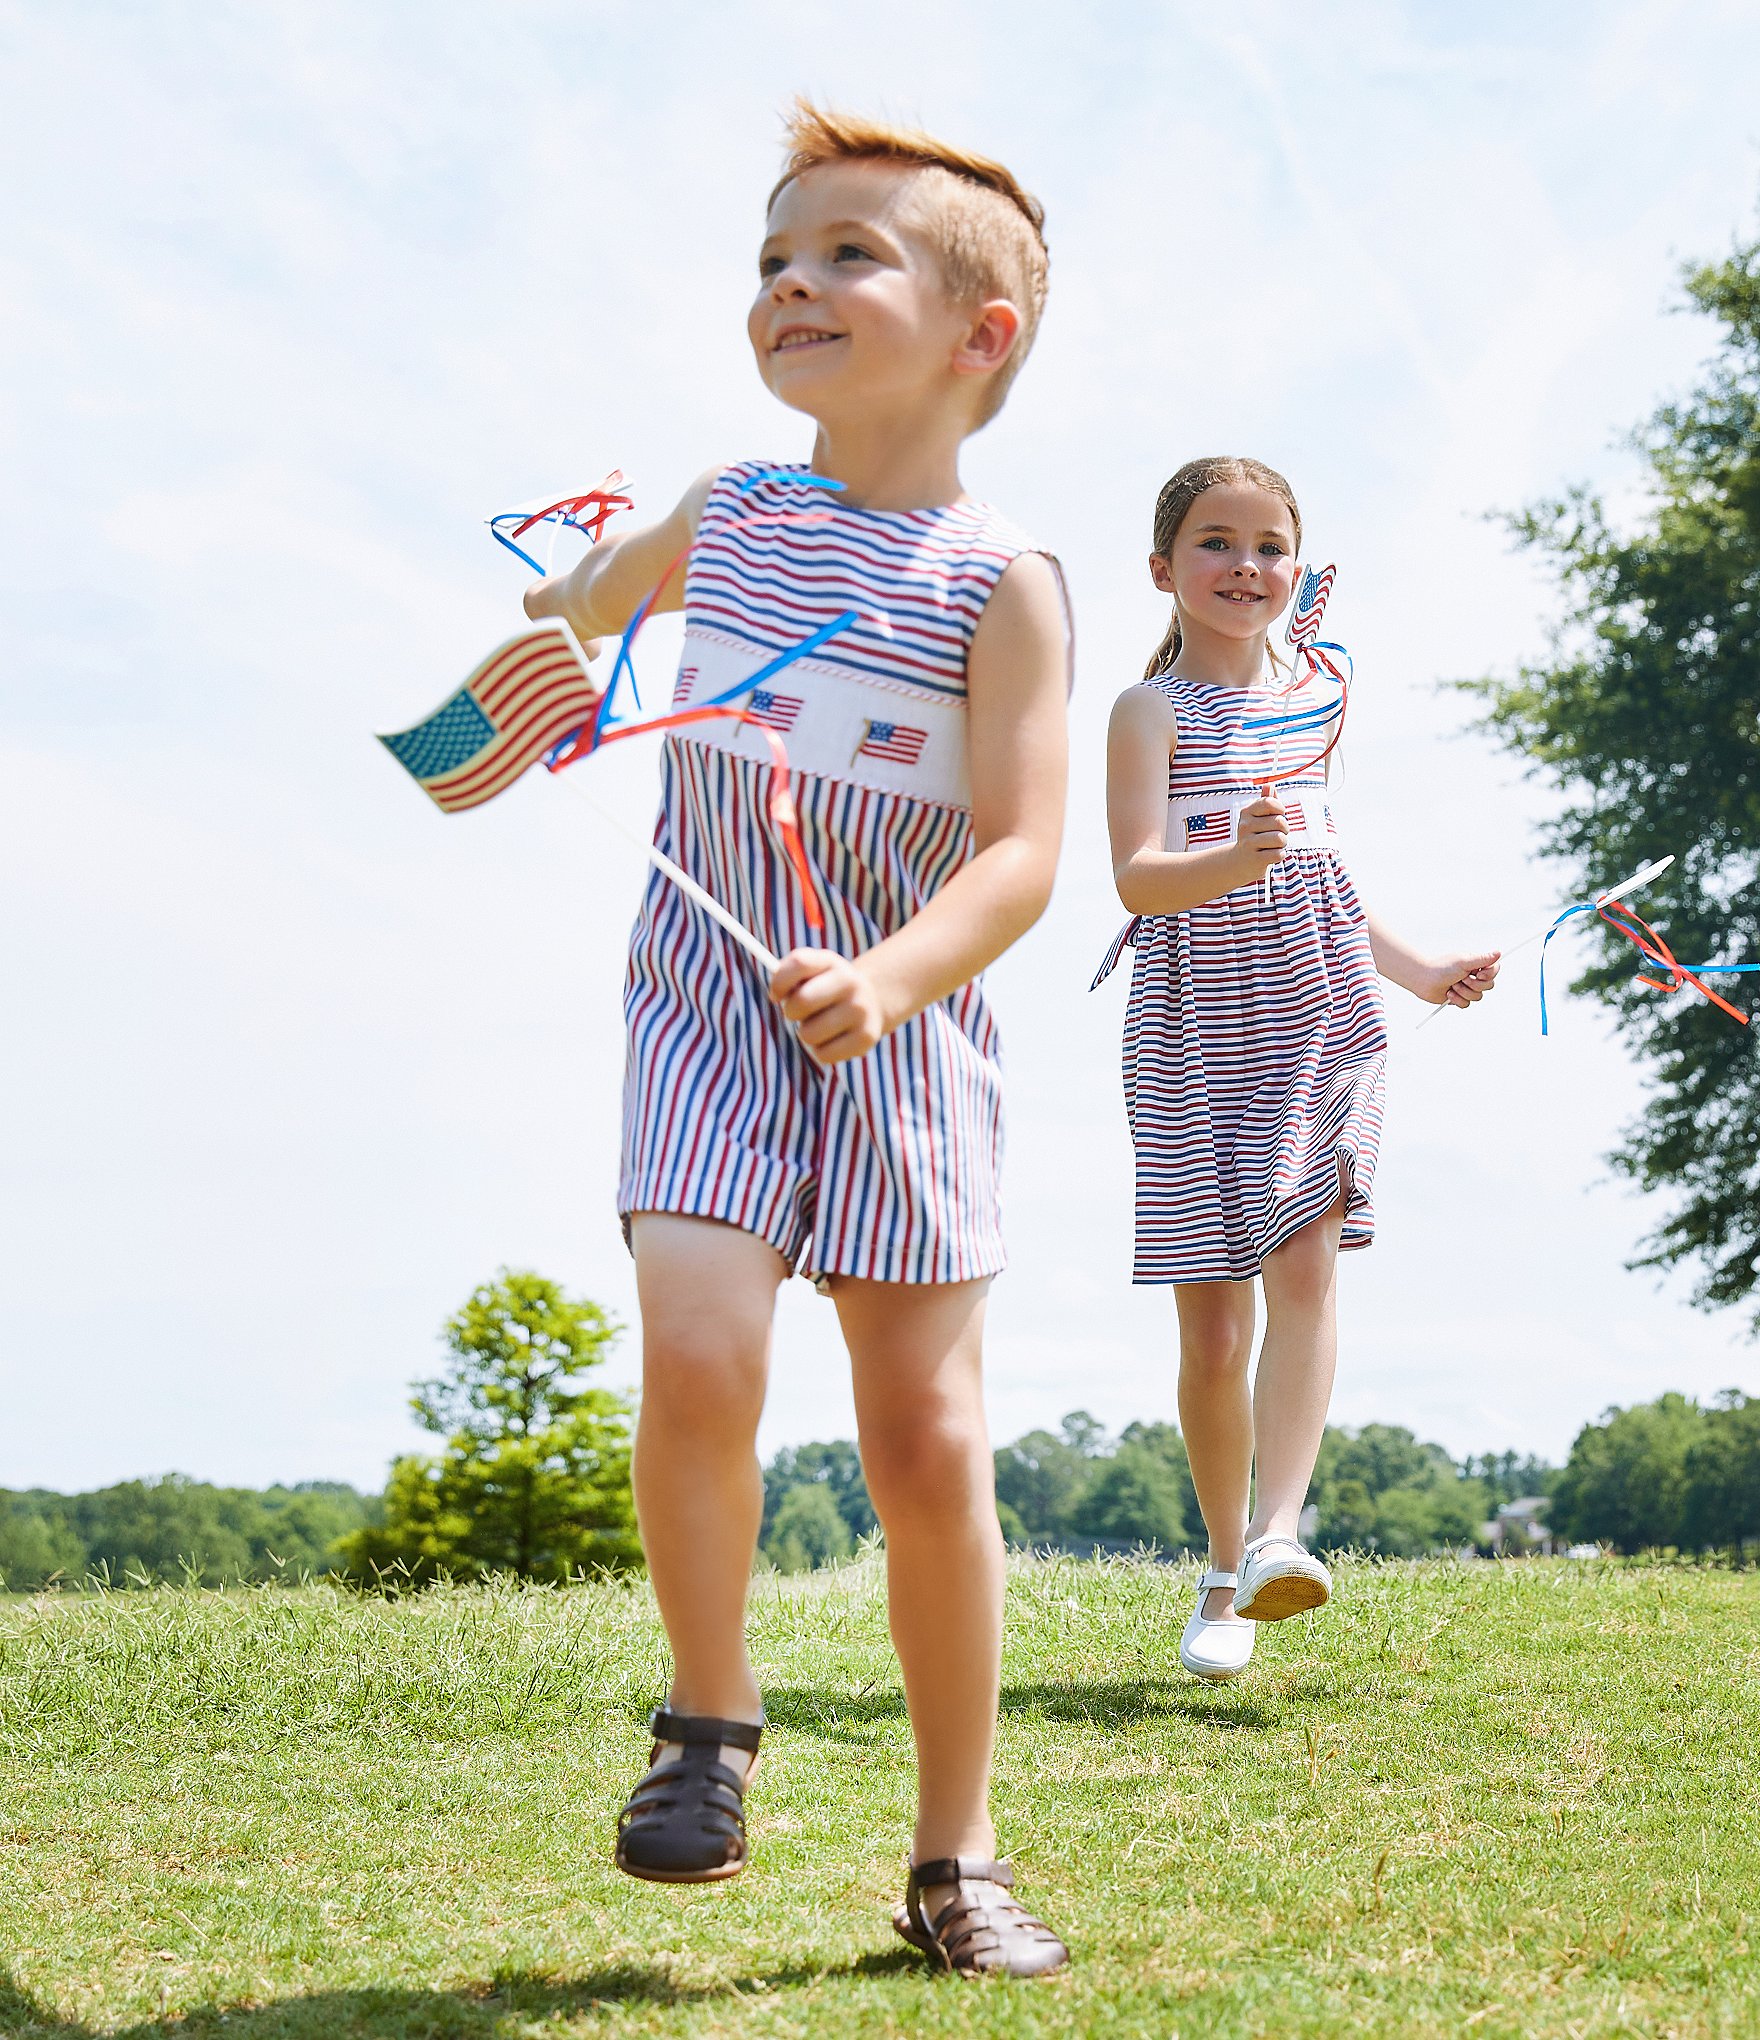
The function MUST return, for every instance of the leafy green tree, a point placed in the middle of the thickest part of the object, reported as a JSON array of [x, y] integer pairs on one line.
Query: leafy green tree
[[809, 1530], [1625, 1481], [1041, 1474], [1644, 717], [1347, 1517], [1720, 1497], [1507, 1477], [37, 1542], [534, 1479], [834, 1464], [1132, 1496]]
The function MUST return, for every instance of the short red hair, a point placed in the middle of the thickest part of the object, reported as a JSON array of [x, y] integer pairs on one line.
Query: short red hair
[[986, 228]]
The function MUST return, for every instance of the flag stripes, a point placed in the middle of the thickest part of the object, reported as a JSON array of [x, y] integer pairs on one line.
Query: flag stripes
[[523, 699]]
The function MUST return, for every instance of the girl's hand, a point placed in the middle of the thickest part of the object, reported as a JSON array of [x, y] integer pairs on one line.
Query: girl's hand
[[1458, 980], [1261, 837], [833, 1002]]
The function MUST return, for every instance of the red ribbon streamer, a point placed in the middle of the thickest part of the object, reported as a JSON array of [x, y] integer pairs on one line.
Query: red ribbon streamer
[[1653, 949]]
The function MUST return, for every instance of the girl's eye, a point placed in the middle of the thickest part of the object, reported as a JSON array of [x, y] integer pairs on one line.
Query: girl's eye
[[769, 266], [1213, 545], [1273, 548], [849, 252]]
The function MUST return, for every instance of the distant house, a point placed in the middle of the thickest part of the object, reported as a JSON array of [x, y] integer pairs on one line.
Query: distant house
[[1520, 1526]]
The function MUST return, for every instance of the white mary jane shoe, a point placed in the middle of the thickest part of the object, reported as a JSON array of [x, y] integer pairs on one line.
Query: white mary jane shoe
[[1215, 1650], [1280, 1579]]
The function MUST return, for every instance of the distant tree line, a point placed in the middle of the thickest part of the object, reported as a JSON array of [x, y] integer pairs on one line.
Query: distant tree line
[[141, 1531], [1080, 1489], [1665, 1474], [532, 1478]]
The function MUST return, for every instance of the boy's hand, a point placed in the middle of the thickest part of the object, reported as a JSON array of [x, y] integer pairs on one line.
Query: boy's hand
[[1458, 980], [1261, 837], [833, 1002]]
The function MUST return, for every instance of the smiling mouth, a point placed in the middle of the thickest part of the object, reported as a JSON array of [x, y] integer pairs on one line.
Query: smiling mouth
[[1239, 595], [799, 337]]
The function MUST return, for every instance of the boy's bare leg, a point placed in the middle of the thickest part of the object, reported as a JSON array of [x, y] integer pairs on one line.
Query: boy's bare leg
[[1216, 1417], [708, 1293], [1293, 1389], [916, 1354]]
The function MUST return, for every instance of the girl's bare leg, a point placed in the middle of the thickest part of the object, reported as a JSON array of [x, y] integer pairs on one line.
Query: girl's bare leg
[[916, 1352], [1293, 1389], [1216, 1417], [708, 1293]]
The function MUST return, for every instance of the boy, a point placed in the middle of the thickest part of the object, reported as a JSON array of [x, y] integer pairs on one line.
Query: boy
[[846, 1119]]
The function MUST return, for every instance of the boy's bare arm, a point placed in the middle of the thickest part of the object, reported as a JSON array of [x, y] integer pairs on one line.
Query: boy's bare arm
[[1152, 879], [600, 594], [1017, 690]]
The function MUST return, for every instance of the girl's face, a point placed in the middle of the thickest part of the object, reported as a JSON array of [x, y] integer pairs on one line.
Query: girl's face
[[1233, 565]]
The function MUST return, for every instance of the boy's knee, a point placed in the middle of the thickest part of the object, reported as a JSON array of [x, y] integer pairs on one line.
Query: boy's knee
[[701, 1380], [931, 1464]]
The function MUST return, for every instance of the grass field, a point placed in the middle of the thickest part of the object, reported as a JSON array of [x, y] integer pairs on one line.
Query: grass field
[[1494, 1800]]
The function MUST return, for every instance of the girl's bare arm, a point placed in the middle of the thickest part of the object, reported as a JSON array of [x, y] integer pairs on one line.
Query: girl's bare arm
[[1439, 980], [1152, 879]]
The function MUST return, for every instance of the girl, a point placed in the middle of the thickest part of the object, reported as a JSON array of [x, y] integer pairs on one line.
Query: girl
[[1254, 1041]]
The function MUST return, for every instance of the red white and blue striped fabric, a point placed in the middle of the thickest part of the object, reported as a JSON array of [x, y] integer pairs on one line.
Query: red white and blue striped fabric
[[1255, 1040], [886, 1168], [919, 579]]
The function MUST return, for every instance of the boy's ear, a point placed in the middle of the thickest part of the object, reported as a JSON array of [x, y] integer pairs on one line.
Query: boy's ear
[[1161, 573], [989, 340]]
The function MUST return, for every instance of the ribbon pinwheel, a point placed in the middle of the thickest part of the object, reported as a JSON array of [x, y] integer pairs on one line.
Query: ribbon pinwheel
[[1649, 945], [588, 514], [1303, 635]]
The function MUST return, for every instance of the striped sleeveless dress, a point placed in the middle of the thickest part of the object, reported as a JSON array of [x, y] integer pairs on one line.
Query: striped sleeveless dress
[[1255, 1040], [887, 1167]]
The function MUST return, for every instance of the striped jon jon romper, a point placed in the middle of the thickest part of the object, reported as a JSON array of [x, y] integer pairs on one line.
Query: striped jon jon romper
[[886, 1167], [1255, 1041]]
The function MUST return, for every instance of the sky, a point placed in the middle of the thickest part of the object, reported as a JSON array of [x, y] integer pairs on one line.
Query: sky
[[300, 293]]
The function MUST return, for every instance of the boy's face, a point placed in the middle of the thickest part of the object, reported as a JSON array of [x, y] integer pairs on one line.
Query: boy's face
[[852, 313]]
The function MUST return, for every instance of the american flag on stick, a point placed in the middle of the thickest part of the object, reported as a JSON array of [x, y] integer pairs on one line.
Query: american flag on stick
[[1203, 829], [1310, 603], [523, 699], [897, 743]]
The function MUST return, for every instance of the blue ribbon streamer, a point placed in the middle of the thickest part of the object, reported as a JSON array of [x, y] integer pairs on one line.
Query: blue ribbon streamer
[[1310, 718], [623, 667], [1594, 907]]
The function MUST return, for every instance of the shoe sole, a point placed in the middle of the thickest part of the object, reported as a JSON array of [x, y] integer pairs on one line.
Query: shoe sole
[[647, 1876], [1212, 1677], [1292, 1593]]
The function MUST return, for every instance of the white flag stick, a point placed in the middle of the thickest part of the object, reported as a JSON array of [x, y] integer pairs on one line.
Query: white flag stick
[[683, 880], [1637, 880]]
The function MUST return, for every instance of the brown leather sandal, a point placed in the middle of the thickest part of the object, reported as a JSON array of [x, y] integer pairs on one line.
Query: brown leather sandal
[[972, 1937], [685, 1822]]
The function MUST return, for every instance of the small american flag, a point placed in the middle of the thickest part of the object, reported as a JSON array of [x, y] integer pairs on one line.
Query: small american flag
[[525, 697], [774, 711], [1304, 622], [1202, 829], [897, 743], [1294, 816]]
